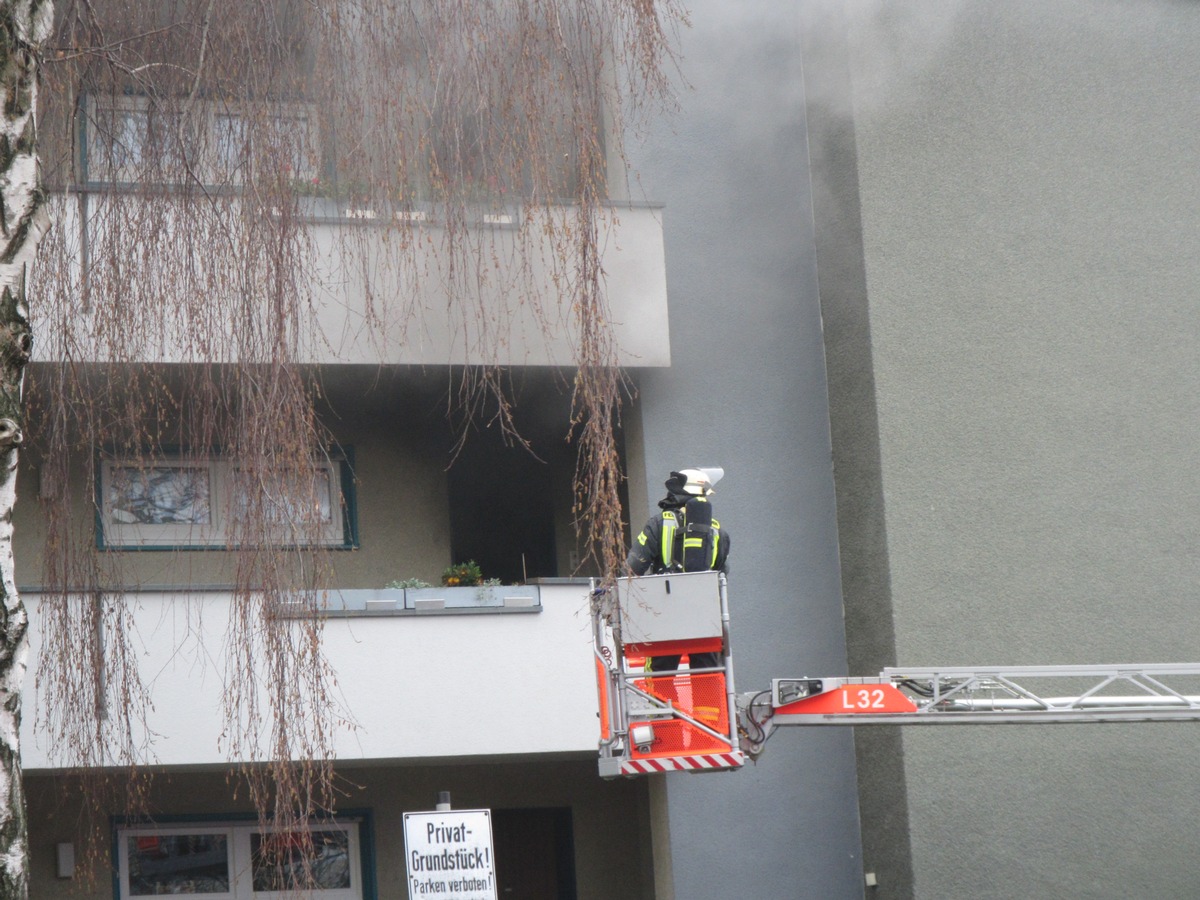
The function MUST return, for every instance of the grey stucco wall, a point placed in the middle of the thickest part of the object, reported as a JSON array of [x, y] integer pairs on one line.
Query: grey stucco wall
[[1029, 187], [746, 390]]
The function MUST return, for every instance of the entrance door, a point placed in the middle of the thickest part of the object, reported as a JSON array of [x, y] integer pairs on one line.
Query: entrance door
[[535, 854]]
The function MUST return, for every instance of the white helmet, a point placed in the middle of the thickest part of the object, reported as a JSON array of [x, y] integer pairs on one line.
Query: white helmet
[[699, 482]]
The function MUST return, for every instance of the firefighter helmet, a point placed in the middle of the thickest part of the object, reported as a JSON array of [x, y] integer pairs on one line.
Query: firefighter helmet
[[697, 482]]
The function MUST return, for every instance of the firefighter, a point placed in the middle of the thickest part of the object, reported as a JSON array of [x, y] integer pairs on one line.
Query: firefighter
[[684, 537]]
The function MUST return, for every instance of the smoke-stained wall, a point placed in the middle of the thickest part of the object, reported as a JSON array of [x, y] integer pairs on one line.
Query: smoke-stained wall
[[1027, 180], [854, 423], [746, 390]]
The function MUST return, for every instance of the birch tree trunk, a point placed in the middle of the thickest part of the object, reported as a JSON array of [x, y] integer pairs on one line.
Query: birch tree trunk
[[23, 28]]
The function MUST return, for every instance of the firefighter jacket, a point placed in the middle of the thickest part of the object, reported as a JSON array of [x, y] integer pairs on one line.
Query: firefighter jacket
[[683, 539]]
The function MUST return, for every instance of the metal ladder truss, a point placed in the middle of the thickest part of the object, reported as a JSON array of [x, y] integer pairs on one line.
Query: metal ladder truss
[[1155, 692], [1023, 694]]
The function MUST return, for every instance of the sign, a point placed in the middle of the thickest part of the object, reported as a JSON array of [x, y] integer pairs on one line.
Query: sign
[[876, 697], [449, 855]]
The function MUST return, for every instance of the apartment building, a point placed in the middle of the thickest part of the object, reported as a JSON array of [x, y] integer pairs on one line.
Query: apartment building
[[917, 276], [1006, 263], [487, 693]]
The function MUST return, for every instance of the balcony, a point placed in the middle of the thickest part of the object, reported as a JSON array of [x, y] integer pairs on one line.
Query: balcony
[[399, 317], [507, 678]]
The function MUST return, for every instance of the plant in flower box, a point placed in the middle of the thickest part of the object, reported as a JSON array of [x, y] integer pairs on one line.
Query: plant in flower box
[[466, 574]]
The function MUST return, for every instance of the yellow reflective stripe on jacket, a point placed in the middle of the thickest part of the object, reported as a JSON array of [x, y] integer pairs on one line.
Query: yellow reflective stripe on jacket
[[669, 525], [716, 533]]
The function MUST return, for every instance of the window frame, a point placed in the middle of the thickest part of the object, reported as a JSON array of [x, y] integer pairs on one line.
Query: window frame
[[339, 533], [238, 829], [93, 153], [121, 858], [97, 165]]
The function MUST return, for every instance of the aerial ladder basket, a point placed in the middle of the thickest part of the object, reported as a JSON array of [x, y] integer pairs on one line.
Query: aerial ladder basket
[[664, 721]]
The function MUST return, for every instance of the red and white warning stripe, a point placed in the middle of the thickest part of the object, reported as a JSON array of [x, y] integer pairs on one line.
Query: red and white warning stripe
[[697, 763]]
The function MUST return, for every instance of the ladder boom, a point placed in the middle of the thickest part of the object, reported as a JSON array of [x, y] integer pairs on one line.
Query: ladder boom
[[691, 719], [958, 695]]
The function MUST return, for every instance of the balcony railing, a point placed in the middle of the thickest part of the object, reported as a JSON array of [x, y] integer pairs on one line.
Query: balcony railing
[[513, 679], [403, 314]]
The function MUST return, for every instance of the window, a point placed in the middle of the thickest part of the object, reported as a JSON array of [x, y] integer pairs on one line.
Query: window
[[140, 140], [231, 861], [125, 137], [231, 145], [172, 502], [285, 139]]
